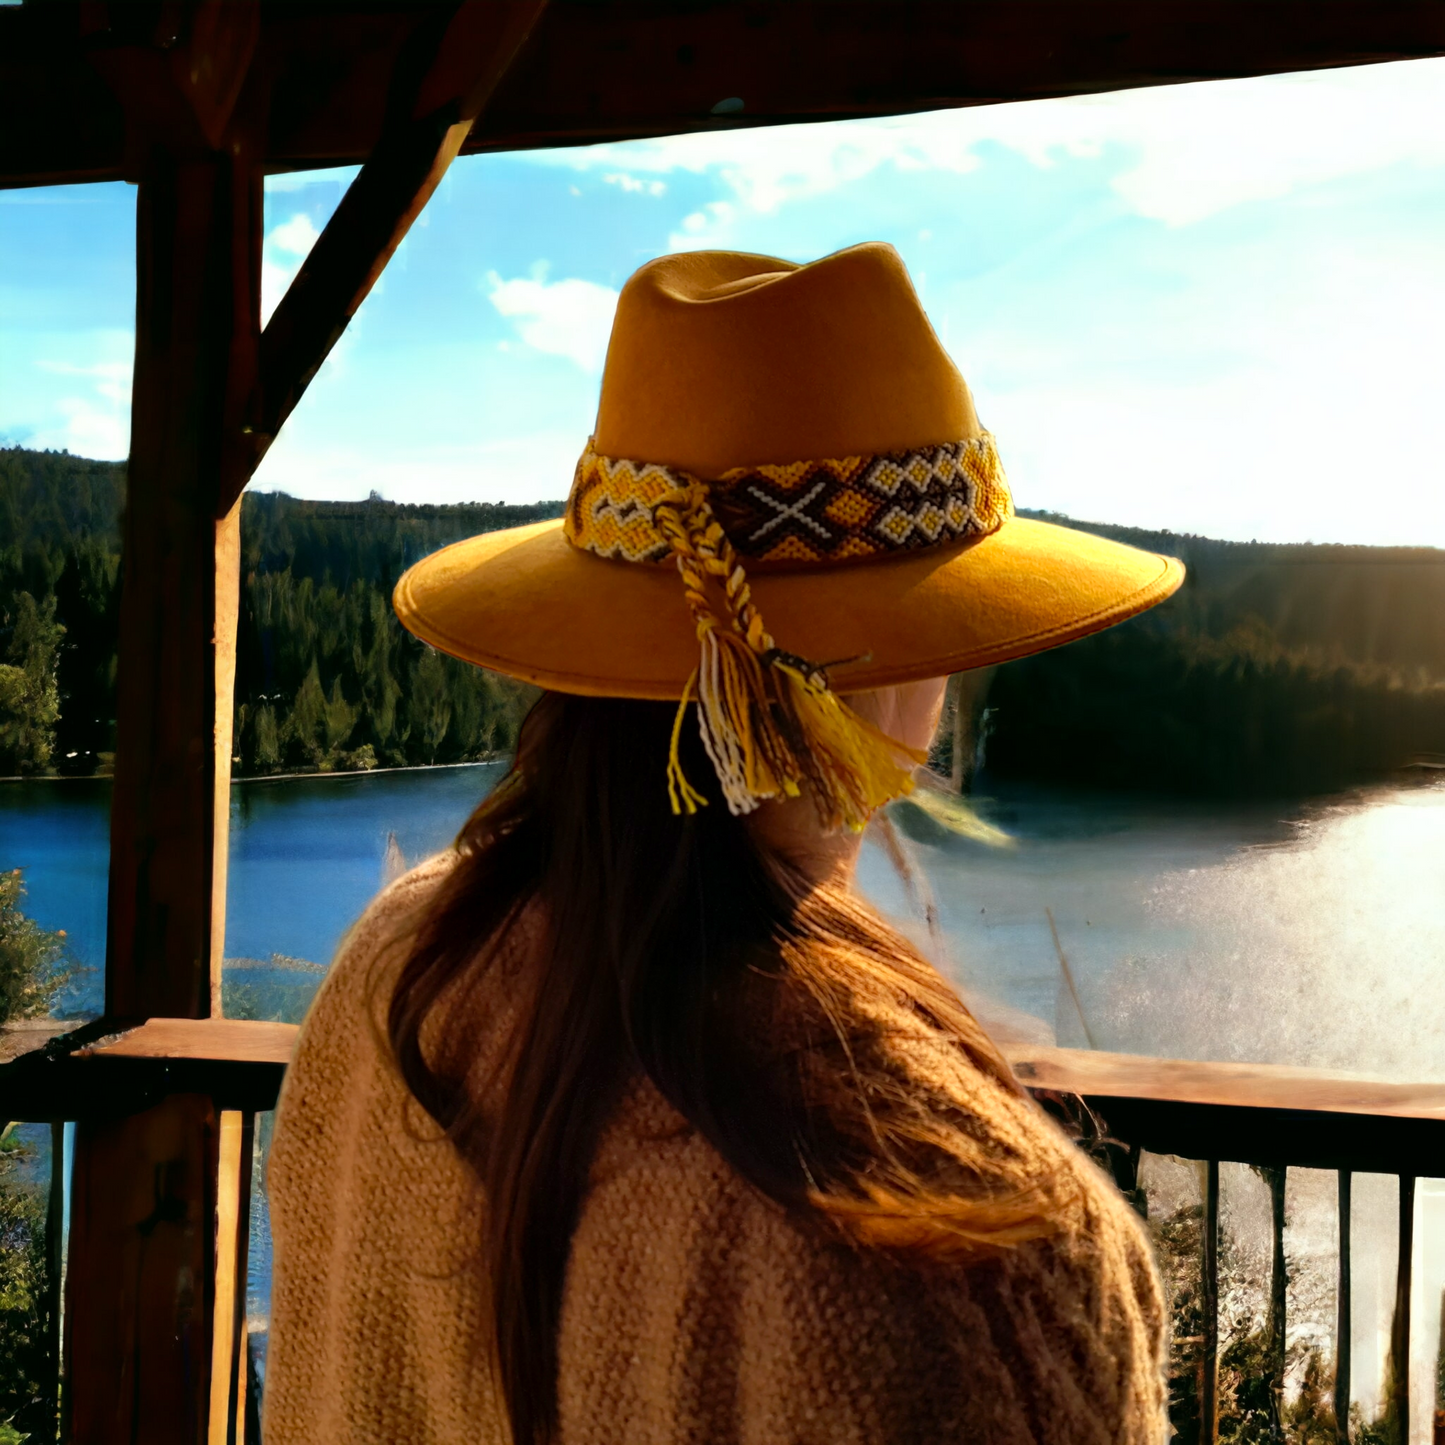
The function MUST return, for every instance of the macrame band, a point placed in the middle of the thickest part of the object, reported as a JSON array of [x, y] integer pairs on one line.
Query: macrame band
[[771, 724], [797, 513]]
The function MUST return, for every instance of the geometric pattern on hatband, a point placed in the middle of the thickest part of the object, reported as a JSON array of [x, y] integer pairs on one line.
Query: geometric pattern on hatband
[[800, 513]]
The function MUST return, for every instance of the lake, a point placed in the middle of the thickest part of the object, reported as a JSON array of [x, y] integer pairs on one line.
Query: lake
[[1309, 933]]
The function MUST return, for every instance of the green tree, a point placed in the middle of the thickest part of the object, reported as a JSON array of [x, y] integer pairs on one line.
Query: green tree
[[429, 707], [305, 729], [263, 738], [28, 1393], [338, 720], [29, 695], [34, 962]]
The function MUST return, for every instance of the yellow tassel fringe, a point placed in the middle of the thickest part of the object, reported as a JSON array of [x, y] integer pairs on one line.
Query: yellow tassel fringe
[[772, 726]]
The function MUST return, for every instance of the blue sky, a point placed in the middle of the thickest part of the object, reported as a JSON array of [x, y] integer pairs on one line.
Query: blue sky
[[1215, 308]]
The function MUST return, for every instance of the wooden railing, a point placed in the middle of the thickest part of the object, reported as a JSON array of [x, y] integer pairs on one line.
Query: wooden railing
[[1212, 1112], [1276, 1118]]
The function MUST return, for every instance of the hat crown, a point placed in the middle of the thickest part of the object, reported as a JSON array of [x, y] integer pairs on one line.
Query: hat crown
[[720, 359]]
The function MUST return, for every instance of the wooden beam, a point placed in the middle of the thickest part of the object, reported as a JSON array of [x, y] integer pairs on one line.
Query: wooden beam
[[177, 69], [384, 200], [667, 64], [246, 1041], [107, 1071], [1203, 1081]]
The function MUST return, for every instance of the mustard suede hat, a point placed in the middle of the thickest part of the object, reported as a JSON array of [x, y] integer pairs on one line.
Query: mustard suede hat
[[796, 443]]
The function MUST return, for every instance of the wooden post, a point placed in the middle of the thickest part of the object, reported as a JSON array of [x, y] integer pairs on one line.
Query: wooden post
[[1343, 1324], [144, 1293], [1209, 1305], [142, 1248], [142, 1217], [169, 771]]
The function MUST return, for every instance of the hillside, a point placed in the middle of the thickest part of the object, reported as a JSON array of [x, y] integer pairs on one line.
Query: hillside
[[1380, 606], [1276, 668]]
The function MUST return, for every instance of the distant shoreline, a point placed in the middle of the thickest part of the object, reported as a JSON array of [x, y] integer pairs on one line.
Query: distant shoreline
[[270, 777]]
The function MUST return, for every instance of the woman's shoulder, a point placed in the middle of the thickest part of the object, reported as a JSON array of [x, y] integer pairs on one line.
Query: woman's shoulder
[[689, 1287]]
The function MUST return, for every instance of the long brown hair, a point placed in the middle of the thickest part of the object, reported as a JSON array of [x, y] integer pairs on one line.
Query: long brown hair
[[680, 949]]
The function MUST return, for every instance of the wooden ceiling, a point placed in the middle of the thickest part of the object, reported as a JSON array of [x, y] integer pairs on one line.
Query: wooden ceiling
[[80, 80]]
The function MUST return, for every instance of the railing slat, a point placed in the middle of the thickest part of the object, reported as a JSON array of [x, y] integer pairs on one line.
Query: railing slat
[[1342, 1317], [1398, 1404], [1276, 1177], [54, 1258], [1209, 1307], [236, 1411]]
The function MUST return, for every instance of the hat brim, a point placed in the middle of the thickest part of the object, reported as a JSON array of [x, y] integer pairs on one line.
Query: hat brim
[[525, 602]]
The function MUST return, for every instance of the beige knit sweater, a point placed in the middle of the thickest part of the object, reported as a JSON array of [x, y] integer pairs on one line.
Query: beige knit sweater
[[694, 1309]]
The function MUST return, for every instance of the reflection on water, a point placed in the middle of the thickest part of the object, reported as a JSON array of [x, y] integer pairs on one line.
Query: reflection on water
[[1314, 939]]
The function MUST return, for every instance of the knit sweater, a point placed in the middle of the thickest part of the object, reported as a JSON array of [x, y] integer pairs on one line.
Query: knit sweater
[[694, 1309]]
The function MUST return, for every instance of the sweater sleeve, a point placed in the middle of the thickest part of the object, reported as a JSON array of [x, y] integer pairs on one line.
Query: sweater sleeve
[[696, 1311], [378, 1309]]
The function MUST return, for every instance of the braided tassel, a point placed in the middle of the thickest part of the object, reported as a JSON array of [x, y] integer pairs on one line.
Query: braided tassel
[[769, 722]]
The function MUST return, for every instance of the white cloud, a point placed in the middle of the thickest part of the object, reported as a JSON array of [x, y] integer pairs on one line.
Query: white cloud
[[296, 236], [704, 228], [287, 246], [571, 317], [1196, 149], [633, 185]]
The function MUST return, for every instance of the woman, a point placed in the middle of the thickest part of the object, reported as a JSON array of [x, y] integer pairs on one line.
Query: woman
[[626, 1120]]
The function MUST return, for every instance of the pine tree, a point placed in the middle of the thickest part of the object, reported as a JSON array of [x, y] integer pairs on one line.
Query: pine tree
[[338, 720], [304, 732], [429, 704]]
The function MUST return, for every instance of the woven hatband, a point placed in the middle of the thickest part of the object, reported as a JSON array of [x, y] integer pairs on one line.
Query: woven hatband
[[799, 513]]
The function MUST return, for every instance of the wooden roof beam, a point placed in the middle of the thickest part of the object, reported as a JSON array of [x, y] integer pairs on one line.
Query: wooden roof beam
[[177, 73], [423, 135]]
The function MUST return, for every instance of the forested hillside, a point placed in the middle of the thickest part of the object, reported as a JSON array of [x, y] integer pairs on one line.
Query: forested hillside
[[1275, 669], [325, 675]]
